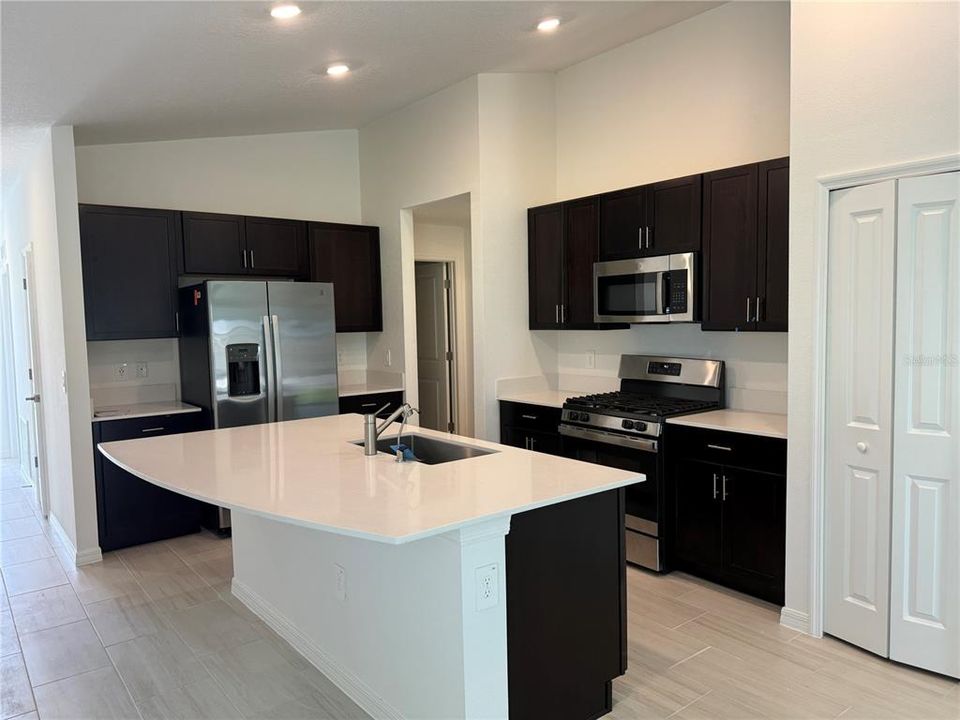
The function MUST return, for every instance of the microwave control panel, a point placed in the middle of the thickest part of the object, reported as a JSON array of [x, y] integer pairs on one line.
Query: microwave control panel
[[677, 301]]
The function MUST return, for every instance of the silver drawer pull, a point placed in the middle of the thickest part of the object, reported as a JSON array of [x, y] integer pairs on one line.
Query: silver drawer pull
[[529, 417], [368, 404], [153, 429], [720, 447]]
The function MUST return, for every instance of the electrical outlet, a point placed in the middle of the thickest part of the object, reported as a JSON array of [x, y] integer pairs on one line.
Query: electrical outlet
[[389, 358], [487, 582], [121, 372], [141, 370], [591, 359], [340, 576]]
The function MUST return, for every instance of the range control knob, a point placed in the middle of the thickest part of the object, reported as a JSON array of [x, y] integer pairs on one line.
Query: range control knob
[[627, 424], [641, 426]]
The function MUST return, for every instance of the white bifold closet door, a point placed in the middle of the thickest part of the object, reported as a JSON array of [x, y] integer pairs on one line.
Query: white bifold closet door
[[857, 451], [925, 539]]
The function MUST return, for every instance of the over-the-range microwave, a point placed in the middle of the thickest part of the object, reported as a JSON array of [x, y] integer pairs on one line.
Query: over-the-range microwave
[[645, 290]]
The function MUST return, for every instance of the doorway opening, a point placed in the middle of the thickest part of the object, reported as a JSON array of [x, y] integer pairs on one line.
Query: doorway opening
[[444, 318]]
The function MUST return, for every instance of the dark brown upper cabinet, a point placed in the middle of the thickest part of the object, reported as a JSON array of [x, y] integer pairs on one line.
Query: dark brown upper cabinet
[[773, 247], [745, 244], [129, 261], [349, 257], [562, 247], [277, 247], [214, 244], [545, 265], [657, 219]]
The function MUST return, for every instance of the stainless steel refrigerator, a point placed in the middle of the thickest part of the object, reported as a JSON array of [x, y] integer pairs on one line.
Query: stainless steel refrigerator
[[255, 352]]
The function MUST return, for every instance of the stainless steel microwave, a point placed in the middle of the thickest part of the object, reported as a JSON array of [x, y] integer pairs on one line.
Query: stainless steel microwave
[[645, 290]]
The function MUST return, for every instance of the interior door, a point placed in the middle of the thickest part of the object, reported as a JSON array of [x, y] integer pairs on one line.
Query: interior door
[[305, 349], [925, 562], [433, 362], [36, 459], [858, 415]]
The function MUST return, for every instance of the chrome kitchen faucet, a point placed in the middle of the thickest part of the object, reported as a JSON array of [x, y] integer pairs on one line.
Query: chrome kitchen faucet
[[372, 431]]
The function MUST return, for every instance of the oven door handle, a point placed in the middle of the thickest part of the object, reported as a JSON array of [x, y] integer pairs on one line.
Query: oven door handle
[[609, 438]]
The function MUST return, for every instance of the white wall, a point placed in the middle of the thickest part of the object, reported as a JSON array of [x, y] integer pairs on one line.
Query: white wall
[[306, 176], [451, 243], [710, 92], [424, 152], [872, 84], [41, 210], [163, 368]]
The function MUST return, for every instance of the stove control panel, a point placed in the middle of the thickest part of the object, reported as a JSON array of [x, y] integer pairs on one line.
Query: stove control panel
[[611, 422], [637, 425], [664, 368]]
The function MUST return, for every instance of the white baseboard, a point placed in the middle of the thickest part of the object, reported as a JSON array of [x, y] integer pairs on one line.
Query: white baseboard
[[795, 620], [86, 556], [354, 687]]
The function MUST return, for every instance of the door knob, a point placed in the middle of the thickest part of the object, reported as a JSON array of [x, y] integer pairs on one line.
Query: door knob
[[862, 447], [33, 398]]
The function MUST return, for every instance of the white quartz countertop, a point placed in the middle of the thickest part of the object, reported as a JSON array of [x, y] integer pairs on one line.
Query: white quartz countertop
[[369, 387], [307, 472], [547, 398], [742, 421], [139, 410]]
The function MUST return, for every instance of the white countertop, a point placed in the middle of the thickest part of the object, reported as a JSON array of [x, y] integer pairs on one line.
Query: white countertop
[[547, 398], [139, 410], [307, 472], [369, 387], [742, 421]]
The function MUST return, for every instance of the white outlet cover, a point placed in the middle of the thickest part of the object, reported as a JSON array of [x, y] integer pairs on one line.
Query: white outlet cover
[[487, 579], [142, 370], [121, 372], [591, 359]]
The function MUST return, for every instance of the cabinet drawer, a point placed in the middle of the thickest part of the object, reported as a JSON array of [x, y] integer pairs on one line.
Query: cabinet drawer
[[727, 448], [110, 430], [365, 404], [530, 417]]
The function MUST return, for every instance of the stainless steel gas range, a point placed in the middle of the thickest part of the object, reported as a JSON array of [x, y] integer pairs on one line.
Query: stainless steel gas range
[[623, 429]]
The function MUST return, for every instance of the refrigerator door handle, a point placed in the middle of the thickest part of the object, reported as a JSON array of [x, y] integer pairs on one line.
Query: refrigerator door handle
[[268, 357], [277, 367]]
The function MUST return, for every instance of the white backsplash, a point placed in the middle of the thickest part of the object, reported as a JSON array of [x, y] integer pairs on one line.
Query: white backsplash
[[163, 366]]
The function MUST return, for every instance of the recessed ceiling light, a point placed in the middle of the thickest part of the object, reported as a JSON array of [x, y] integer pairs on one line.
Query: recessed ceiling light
[[548, 24], [285, 11], [338, 69]]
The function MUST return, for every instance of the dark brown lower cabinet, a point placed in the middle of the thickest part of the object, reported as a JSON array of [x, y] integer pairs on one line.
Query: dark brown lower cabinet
[[531, 427], [566, 608], [728, 519], [131, 511], [369, 403]]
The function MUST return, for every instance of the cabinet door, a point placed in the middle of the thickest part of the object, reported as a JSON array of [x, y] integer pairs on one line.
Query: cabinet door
[[754, 531], [773, 247], [545, 269], [277, 247], [730, 249], [697, 512], [129, 261], [621, 222], [213, 244], [349, 257], [580, 253], [673, 216]]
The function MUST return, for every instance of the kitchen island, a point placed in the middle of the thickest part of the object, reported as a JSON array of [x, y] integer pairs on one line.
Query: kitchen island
[[411, 585]]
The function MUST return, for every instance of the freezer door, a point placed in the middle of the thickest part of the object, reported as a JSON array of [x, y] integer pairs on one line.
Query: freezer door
[[238, 352], [305, 349]]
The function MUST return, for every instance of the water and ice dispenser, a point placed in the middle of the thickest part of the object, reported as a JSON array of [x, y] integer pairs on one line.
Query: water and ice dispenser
[[243, 369]]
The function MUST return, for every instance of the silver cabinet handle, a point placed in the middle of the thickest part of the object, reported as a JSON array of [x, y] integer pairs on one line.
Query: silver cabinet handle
[[724, 487], [252, 263], [176, 319], [33, 398], [714, 486], [243, 255], [529, 417], [720, 447], [640, 233], [563, 314], [277, 365], [526, 443], [756, 316], [556, 314], [748, 309], [152, 429], [533, 442], [373, 404]]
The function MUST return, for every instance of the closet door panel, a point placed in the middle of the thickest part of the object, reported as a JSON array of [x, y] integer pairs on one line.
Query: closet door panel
[[858, 434], [925, 564]]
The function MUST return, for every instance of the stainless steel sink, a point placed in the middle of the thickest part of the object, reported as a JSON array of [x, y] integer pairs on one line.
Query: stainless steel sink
[[429, 450]]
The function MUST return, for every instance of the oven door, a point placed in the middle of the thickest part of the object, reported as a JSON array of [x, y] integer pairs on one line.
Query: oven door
[[630, 290], [637, 455]]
